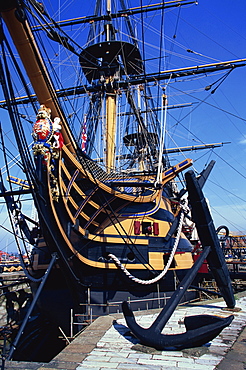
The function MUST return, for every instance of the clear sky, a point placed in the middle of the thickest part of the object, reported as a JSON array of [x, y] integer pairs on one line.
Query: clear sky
[[214, 30], [219, 31]]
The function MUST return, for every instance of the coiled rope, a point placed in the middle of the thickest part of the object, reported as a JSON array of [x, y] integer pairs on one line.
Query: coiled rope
[[163, 273]]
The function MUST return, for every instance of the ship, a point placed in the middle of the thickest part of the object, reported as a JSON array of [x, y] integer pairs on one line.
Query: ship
[[112, 221]]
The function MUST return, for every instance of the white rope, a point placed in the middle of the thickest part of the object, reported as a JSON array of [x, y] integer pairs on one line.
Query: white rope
[[162, 138], [163, 273]]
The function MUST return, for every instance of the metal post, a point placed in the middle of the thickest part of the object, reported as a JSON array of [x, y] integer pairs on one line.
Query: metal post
[[158, 295], [89, 302], [23, 325], [71, 324]]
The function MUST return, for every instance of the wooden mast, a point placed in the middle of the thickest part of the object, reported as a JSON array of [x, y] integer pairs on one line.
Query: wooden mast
[[110, 110], [110, 130]]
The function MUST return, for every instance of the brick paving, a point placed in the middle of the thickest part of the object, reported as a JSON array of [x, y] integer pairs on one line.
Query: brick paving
[[108, 344]]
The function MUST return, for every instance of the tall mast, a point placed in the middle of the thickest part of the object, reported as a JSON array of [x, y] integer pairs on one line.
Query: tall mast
[[110, 105]]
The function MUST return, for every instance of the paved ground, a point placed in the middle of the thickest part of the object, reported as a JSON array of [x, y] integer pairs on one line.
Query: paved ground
[[107, 344]]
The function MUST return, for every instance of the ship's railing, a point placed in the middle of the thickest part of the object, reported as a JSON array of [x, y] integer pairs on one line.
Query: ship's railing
[[89, 316], [236, 266]]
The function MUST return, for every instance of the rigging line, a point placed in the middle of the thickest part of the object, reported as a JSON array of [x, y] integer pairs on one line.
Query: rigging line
[[131, 11], [15, 119], [201, 55], [230, 28], [92, 32], [25, 247], [57, 75], [112, 216], [162, 136], [230, 166], [64, 6], [94, 115], [209, 157], [209, 104], [222, 79], [77, 33], [161, 40], [23, 116], [173, 43], [160, 57], [11, 216], [20, 74], [204, 34], [58, 79], [228, 191], [236, 208], [139, 118], [12, 158], [182, 153], [203, 155], [229, 101], [129, 24], [17, 163], [143, 39], [9, 231], [170, 51], [177, 22], [226, 219], [192, 110], [61, 39], [48, 82], [6, 94]]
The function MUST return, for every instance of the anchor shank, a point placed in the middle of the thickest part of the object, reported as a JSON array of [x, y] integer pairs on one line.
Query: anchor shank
[[208, 236], [172, 303]]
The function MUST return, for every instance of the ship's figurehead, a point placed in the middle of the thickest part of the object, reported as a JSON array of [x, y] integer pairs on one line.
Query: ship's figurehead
[[43, 127], [46, 131], [47, 134]]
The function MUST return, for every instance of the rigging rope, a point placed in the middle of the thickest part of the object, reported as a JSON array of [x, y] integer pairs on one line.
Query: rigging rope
[[162, 138]]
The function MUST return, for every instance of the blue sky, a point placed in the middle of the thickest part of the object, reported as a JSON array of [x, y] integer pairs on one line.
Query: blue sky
[[214, 31], [221, 27]]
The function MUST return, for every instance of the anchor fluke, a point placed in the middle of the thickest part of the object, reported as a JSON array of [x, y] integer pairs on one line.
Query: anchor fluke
[[200, 329]]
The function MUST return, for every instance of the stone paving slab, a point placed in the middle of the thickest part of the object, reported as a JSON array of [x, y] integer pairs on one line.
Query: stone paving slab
[[108, 344]]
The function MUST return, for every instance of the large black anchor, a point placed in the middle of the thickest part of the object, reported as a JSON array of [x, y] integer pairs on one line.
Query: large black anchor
[[200, 329]]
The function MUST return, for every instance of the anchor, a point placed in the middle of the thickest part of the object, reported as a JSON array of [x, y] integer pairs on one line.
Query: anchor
[[200, 329]]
